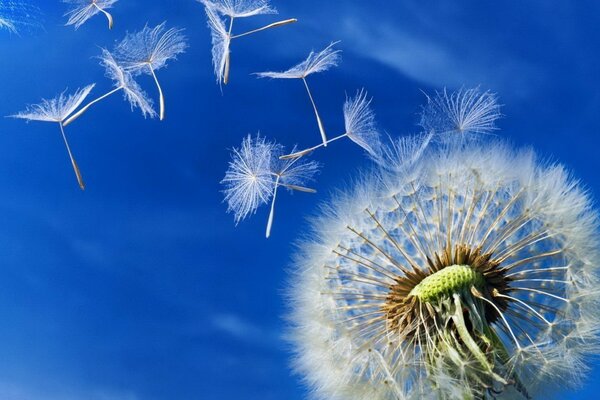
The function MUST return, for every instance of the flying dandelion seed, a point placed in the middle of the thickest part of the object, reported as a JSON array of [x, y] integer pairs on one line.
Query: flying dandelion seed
[[256, 173], [58, 110], [359, 121], [82, 10], [468, 271], [466, 113], [16, 16], [149, 50], [222, 36], [316, 62], [123, 80]]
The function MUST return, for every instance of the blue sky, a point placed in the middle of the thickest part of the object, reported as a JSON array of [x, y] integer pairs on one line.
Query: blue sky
[[142, 287]]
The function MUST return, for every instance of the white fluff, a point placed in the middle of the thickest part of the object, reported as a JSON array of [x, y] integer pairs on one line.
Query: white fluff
[[221, 40], [239, 8], [150, 49], [359, 120], [314, 63], [483, 194], [132, 91], [465, 113], [248, 180], [56, 109]]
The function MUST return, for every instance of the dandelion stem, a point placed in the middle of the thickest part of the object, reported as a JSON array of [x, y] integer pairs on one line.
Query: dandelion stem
[[273, 25], [91, 103], [310, 149], [108, 16], [321, 128], [73, 162], [160, 92], [272, 213]]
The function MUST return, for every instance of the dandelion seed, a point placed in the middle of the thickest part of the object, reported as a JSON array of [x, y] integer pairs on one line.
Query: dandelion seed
[[403, 153], [255, 173], [291, 174], [248, 180], [316, 62], [222, 36], [123, 80], [466, 113], [359, 121], [82, 10], [239, 8], [58, 110], [476, 278], [149, 50], [16, 15]]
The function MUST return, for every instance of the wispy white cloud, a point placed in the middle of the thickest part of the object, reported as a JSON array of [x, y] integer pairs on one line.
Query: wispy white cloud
[[244, 330]]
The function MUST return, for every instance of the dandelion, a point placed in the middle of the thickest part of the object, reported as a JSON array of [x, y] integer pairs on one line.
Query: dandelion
[[58, 110], [149, 50], [316, 62], [255, 174], [359, 121], [474, 278], [123, 80], [82, 10], [222, 36], [467, 113]]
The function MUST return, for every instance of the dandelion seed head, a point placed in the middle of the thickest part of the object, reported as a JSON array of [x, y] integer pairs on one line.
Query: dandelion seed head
[[249, 180], [150, 49], [239, 8], [465, 114], [316, 62], [359, 120], [475, 277], [56, 109], [132, 91], [82, 10]]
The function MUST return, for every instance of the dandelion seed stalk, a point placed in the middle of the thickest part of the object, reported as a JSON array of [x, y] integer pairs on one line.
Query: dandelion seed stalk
[[319, 122], [106, 13], [160, 94], [83, 109], [73, 162], [273, 25]]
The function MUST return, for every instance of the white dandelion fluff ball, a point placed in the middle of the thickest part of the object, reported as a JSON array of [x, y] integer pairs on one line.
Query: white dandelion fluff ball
[[469, 272]]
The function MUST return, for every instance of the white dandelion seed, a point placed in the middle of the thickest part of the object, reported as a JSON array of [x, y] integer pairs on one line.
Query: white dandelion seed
[[466, 113], [240, 8], [123, 80], [82, 10], [222, 36], [475, 279], [16, 15], [149, 50], [248, 181], [316, 62], [58, 110], [402, 154], [292, 174], [255, 173], [359, 121]]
